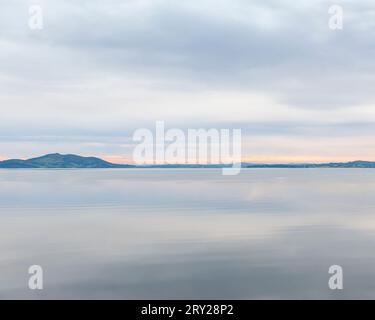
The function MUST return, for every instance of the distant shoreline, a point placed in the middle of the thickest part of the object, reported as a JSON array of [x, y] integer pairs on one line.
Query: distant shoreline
[[71, 161]]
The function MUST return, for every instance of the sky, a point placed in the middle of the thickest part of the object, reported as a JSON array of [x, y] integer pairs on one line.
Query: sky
[[98, 70]]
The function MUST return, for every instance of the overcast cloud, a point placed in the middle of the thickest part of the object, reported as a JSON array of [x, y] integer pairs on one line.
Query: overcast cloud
[[100, 69]]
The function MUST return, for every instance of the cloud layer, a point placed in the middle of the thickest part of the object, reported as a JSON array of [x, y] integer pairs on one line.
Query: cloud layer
[[98, 70]]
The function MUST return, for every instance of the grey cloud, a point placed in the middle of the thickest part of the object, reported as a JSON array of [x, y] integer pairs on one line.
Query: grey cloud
[[297, 58], [57, 82]]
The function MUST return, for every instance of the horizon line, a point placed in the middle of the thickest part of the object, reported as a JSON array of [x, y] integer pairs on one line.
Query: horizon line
[[103, 157]]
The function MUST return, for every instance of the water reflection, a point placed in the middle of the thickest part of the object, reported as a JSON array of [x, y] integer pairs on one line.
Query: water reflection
[[131, 234]]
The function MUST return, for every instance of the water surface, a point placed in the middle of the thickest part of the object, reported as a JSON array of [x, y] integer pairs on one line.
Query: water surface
[[187, 234]]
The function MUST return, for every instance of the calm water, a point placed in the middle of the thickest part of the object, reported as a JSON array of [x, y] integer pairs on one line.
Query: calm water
[[145, 234]]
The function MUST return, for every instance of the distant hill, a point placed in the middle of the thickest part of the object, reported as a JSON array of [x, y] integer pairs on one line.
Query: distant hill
[[71, 161], [57, 161]]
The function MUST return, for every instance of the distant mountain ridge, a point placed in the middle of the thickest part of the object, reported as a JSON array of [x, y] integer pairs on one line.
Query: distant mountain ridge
[[71, 161], [59, 161]]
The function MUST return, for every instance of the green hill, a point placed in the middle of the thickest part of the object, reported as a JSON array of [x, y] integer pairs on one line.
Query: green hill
[[57, 161]]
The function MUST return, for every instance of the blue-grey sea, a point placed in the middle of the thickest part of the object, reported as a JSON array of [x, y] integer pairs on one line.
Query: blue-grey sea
[[187, 233]]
